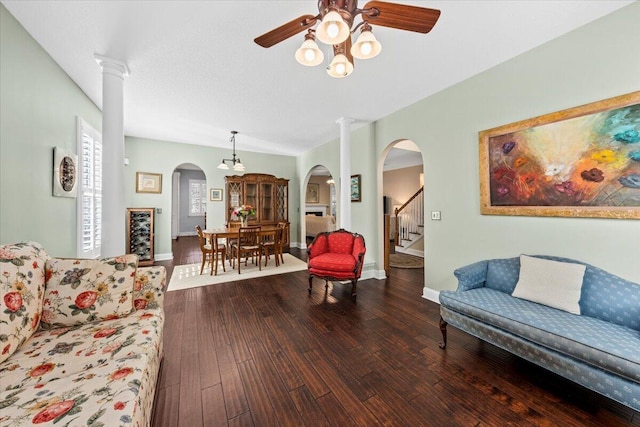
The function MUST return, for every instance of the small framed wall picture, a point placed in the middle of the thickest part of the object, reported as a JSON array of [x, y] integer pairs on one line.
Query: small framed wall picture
[[313, 193], [355, 188], [65, 173], [215, 194], [148, 182]]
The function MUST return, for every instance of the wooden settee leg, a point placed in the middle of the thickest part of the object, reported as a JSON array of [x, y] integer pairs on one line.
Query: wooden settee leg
[[354, 283], [443, 329], [310, 283]]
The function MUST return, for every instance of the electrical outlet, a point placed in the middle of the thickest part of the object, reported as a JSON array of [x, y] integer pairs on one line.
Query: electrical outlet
[[158, 211], [435, 215]]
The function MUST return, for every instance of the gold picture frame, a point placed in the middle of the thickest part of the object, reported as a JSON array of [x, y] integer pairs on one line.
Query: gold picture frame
[[147, 182], [579, 162]]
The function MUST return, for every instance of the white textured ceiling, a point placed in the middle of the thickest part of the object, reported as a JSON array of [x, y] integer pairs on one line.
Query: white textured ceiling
[[196, 73]]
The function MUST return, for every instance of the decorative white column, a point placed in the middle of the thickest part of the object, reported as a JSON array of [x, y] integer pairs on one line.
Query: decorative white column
[[345, 172], [113, 189]]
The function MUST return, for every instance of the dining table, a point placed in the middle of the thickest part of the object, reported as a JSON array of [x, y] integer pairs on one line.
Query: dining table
[[226, 233], [230, 233]]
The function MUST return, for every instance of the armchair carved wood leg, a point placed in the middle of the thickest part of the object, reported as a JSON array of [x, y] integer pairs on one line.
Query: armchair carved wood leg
[[443, 329], [354, 283], [310, 283]]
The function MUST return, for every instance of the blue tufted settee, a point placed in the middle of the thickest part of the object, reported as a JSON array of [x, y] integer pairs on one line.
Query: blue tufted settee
[[599, 349]]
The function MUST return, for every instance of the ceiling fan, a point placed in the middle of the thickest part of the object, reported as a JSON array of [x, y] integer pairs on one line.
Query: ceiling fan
[[336, 19]]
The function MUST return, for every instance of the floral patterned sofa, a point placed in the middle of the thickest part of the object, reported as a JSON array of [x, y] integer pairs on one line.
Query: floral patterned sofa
[[597, 345], [80, 340]]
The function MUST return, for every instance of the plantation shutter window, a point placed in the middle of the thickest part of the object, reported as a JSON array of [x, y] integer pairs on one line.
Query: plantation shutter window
[[90, 191], [197, 197]]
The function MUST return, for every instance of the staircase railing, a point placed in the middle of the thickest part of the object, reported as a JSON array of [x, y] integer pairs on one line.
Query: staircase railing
[[409, 217]]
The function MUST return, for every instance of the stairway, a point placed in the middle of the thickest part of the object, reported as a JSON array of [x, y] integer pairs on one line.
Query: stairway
[[409, 227]]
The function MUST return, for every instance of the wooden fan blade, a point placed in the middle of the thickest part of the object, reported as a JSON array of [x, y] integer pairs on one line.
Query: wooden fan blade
[[401, 16], [285, 31]]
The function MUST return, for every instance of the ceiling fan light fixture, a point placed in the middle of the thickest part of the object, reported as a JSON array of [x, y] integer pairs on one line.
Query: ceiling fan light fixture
[[309, 54], [332, 30], [366, 46], [340, 66]]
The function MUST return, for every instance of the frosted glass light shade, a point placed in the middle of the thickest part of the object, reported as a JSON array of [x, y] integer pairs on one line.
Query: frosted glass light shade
[[340, 67], [238, 167], [309, 54], [366, 46], [332, 30], [223, 165]]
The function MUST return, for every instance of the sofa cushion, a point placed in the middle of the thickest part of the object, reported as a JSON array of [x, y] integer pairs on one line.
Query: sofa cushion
[[603, 344], [149, 287], [553, 283], [69, 350], [82, 291], [22, 287], [114, 392]]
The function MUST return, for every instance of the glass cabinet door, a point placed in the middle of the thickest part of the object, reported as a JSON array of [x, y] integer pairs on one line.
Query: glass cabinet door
[[282, 198], [266, 202], [251, 194]]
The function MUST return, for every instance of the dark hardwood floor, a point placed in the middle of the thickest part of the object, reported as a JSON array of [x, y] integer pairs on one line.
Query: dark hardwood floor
[[262, 352]]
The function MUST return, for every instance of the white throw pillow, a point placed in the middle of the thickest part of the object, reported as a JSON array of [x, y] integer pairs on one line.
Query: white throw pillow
[[552, 283]]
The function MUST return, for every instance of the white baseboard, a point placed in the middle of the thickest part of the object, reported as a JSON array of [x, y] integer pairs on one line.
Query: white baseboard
[[431, 295], [164, 257], [369, 272]]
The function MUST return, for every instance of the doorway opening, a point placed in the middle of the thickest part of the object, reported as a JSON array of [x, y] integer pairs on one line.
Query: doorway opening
[[188, 200], [403, 206], [320, 203]]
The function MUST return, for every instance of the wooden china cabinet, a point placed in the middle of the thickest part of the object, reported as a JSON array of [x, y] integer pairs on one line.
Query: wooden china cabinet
[[267, 194]]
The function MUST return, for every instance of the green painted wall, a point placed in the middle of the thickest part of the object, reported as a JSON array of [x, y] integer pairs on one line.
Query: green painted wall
[[39, 103], [597, 61], [164, 157], [38, 108]]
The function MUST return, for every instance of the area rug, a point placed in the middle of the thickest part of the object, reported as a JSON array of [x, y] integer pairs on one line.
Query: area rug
[[188, 276], [405, 261]]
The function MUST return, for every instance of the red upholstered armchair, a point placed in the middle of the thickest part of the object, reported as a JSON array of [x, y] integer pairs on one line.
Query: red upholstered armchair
[[336, 255]]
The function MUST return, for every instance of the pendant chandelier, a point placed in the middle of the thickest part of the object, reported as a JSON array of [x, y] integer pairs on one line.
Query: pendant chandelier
[[234, 160]]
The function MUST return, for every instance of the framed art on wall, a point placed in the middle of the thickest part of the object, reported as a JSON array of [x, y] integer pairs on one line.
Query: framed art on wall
[[65, 170], [148, 182], [579, 162], [215, 194], [313, 193], [355, 188]]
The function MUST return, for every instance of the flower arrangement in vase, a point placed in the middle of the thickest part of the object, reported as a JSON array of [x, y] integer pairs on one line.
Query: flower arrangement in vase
[[243, 212]]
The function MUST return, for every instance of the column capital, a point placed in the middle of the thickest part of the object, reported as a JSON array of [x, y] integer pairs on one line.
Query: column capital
[[112, 66], [345, 121]]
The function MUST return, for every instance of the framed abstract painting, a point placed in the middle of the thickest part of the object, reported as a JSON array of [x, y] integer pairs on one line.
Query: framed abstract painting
[[579, 162]]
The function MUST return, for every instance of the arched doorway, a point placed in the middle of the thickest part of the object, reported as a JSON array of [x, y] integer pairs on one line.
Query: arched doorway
[[319, 210], [188, 200], [403, 205]]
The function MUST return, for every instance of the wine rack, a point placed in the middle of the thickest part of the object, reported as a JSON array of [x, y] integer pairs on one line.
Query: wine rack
[[140, 234]]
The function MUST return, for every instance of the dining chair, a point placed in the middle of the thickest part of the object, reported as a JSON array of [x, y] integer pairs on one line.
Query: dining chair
[[219, 251], [272, 242], [207, 250], [284, 239], [247, 243]]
